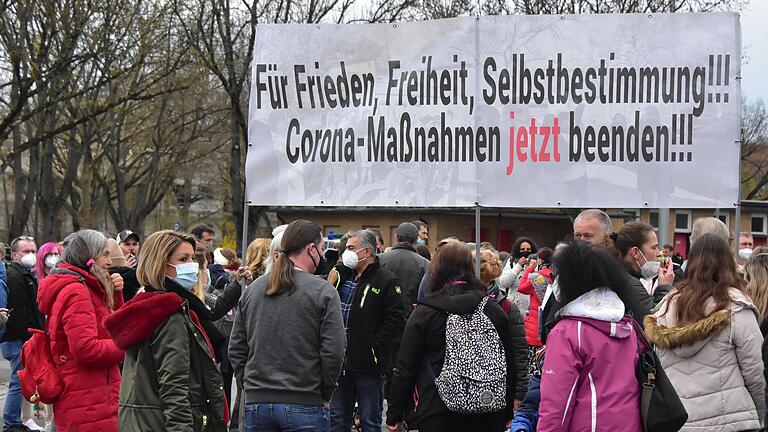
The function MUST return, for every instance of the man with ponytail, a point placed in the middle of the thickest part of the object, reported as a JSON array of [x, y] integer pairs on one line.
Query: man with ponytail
[[292, 320]]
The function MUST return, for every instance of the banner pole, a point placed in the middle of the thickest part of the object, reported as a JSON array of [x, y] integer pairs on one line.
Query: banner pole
[[737, 230], [663, 226], [477, 240], [244, 246]]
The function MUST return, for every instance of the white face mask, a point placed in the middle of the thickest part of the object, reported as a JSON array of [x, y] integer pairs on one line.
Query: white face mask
[[350, 259], [650, 269], [745, 253], [28, 260], [51, 261]]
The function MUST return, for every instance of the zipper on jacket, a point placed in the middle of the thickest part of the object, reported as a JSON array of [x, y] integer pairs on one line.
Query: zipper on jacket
[[365, 293], [375, 359]]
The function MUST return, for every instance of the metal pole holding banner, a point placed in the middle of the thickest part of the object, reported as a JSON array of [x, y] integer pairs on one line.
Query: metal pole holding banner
[[737, 229], [477, 240], [246, 206], [663, 226]]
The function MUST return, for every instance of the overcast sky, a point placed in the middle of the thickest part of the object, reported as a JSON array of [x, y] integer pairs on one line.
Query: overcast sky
[[754, 39]]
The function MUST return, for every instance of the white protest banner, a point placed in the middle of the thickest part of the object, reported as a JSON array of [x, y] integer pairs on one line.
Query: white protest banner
[[611, 110]]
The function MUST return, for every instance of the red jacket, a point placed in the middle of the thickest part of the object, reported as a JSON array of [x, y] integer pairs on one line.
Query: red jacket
[[532, 319], [87, 357]]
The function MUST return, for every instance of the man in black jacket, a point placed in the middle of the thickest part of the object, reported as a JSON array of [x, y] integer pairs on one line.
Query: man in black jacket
[[373, 310], [405, 262], [23, 314]]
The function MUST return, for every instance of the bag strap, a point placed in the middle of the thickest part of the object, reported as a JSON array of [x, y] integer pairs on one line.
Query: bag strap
[[645, 403]]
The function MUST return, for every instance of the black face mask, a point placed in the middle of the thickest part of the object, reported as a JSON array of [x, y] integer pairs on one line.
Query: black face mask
[[525, 254], [321, 265]]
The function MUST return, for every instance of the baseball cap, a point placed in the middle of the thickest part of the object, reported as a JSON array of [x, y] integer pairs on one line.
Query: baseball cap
[[407, 232], [123, 236]]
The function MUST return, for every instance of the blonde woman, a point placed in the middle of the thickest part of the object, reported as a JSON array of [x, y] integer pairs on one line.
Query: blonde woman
[[170, 378], [76, 297], [256, 256]]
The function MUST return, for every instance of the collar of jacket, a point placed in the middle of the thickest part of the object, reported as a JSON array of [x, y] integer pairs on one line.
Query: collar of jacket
[[370, 270], [194, 302], [138, 318], [673, 337], [21, 269], [406, 246]]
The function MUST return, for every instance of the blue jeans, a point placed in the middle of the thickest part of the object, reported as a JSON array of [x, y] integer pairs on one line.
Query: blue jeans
[[278, 417], [12, 411], [368, 391]]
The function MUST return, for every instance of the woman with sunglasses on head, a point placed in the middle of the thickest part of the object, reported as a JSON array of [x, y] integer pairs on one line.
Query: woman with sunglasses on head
[[170, 377], [76, 297]]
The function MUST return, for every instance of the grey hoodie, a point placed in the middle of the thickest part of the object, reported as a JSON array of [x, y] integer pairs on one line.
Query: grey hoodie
[[288, 348]]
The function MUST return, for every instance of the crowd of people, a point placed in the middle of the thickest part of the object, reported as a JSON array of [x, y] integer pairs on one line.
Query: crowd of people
[[151, 334]]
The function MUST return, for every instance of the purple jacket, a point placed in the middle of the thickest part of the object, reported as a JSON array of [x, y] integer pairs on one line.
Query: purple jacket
[[588, 380]]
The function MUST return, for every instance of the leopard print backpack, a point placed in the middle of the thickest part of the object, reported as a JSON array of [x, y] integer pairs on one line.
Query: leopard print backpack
[[474, 375]]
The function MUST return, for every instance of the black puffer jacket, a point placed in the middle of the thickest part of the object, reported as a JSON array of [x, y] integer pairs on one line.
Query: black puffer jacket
[[424, 339]]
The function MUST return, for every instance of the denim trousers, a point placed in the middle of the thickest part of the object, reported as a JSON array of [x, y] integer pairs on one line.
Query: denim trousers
[[12, 410], [280, 417], [365, 389]]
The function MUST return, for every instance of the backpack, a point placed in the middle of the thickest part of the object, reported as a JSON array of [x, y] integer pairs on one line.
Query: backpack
[[474, 375], [40, 378]]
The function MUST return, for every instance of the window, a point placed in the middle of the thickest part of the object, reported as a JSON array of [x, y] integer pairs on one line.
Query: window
[[631, 215], [653, 219], [683, 221], [759, 224], [726, 218], [332, 231]]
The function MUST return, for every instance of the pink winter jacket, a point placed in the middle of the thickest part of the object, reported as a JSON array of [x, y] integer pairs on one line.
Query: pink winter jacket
[[588, 380]]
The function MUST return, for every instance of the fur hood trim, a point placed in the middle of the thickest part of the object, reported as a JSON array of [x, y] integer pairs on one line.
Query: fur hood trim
[[673, 337], [138, 318]]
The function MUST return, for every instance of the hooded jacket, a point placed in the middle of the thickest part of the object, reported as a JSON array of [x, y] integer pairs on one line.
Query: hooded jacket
[[715, 363], [22, 301], [409, 267], [527, 287], [88, 359], [424, 340], [588, 380], [170, 379]]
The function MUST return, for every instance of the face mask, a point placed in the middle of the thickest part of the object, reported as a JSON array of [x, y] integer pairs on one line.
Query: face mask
[[649, 269], [186, 274], [321, 266], [208, 278], [745, 253], [51, 261], [421, 241], [350, 259], [28, 260]]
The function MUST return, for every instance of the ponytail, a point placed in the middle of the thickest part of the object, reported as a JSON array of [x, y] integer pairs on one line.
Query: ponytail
[[297, 235]]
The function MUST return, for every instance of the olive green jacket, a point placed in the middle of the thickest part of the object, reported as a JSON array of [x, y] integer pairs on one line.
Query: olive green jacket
[[170, 379]]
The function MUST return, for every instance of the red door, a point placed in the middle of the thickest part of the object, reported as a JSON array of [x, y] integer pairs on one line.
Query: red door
[[682, 244]]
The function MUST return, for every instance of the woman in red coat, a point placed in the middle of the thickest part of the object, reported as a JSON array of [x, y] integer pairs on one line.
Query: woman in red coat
[[76, 297], [534, 283]]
